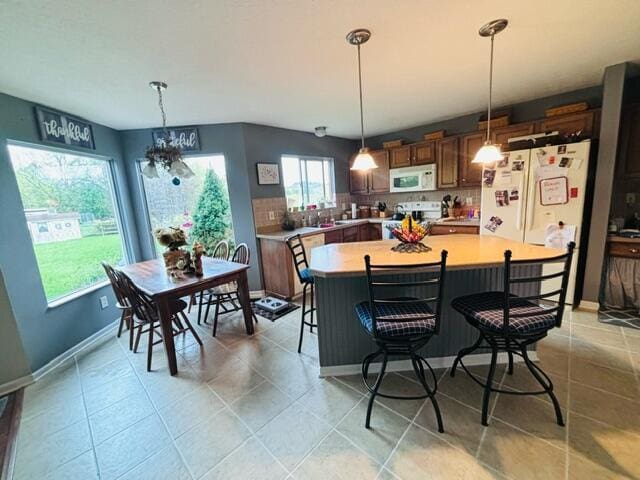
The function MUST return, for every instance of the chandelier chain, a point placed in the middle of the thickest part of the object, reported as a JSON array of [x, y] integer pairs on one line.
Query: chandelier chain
[[360, 88], [162, 112]]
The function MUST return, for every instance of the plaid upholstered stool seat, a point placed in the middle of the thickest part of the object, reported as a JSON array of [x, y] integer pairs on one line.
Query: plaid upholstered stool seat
[[408, 318], [401, 326], [487, 309], [299, 255], [510, 323]]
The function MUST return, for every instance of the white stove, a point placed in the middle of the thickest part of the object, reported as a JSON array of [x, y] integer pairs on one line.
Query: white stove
[[429, 211]]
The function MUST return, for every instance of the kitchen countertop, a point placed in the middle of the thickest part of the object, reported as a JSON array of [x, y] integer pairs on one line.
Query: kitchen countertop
[[466, 252], [282, 235]]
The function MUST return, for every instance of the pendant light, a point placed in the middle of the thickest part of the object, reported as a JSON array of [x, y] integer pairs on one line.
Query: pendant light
[[364, 160], [490, 152], [164, 153]]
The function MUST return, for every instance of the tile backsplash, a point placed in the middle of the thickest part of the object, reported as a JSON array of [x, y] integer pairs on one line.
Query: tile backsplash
[[278, 205]]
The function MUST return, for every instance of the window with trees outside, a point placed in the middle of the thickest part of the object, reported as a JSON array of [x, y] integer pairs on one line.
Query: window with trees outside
[[308, 180], [199, 205], [71, 213]]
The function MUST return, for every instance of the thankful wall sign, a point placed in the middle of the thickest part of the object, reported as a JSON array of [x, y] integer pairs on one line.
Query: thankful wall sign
[[62, 128]]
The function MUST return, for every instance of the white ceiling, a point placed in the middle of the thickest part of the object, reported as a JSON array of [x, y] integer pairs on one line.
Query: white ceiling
[[286, 62]]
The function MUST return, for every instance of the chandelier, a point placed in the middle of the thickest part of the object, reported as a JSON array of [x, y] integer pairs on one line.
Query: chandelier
[[163, 153]]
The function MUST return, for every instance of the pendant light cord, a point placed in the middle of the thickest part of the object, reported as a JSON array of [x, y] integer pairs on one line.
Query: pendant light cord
[[164, 115], [360, 87], [490, 89]]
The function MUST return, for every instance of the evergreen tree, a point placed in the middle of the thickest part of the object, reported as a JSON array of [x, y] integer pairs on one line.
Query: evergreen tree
[[212, 217]]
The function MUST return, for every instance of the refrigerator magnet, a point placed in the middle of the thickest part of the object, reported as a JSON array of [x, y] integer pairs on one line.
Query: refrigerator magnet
[[554, 191], [574, 192]]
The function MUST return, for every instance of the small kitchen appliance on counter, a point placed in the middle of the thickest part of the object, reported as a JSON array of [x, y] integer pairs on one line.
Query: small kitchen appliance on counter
[[425, 212]]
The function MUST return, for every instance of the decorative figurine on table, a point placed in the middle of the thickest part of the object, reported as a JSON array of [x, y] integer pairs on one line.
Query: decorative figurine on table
[[410, 235], [175, 258], [198, 251]]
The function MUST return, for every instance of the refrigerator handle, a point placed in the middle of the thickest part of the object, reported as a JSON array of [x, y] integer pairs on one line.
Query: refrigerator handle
[[519, 214], [531, 200]]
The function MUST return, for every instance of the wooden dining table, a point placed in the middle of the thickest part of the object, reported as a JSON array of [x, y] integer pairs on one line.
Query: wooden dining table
[[151, 277]]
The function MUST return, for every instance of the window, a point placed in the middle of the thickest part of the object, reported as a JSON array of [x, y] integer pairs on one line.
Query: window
[[308, 180], [199, 205], [77, 191]]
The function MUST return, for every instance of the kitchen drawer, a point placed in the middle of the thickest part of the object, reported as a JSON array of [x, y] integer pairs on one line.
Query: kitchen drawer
[[624, 249], [454, 229]]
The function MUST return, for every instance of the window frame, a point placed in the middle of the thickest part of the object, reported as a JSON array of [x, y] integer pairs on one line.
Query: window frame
[[304, 179], [116, 198]]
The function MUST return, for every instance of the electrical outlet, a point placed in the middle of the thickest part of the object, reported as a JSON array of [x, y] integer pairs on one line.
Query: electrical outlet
[[104, 302], [631, 198], [272, 215], [469, 201]]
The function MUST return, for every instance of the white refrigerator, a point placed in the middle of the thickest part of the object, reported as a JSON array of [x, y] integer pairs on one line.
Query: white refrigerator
[[531, 193]]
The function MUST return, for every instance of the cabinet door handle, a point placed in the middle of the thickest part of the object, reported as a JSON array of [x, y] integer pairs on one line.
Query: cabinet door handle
[[633, 250], [452, 230]]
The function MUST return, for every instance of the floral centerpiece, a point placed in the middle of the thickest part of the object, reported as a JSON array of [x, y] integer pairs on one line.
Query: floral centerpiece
[[410, 234], [175, 258]]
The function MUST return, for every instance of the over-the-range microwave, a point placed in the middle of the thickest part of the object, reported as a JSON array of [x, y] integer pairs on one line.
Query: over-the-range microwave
[[413, 179]]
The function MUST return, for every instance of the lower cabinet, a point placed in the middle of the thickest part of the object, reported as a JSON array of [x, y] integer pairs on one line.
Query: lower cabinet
[[453, 229], [350, 234]]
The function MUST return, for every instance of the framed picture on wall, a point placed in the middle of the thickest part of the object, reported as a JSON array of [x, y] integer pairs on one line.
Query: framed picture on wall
[[268, 173]]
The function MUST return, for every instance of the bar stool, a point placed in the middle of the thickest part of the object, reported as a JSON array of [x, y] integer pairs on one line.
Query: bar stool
[[510, 323], [400, 326], [299, 254]]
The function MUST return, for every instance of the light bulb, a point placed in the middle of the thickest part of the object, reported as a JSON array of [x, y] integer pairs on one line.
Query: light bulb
[[150, 171], [488, 153], [364, 160]]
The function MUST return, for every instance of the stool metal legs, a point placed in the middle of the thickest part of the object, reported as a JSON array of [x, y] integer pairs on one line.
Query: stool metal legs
[[310, 323]]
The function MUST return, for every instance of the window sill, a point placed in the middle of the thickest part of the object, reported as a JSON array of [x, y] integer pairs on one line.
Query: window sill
[[72, 296]]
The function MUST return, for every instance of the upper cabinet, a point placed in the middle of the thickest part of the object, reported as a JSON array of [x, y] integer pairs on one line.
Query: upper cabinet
[[447, 167], [400, 157], [470, 174], [373, 181], [423, 153], [568, 124], [502, 135], [629, 146]]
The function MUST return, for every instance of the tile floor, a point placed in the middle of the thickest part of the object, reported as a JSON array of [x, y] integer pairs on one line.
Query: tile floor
[[252, 408]]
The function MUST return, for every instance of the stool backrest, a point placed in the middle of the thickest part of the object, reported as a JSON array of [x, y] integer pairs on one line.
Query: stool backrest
[[433, 275], [221, 250], [561, 292], [116, 284], [241, 254], [142, 305], [296, 247]]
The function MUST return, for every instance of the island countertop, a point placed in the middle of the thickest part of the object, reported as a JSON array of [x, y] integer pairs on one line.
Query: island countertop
[[465, 252]]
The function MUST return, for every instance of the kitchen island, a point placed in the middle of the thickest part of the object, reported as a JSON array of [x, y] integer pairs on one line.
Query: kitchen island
[[475, 264]]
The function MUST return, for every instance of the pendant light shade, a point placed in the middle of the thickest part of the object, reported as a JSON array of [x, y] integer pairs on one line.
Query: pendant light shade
[[363, 161], [490, 152], [150, 170]]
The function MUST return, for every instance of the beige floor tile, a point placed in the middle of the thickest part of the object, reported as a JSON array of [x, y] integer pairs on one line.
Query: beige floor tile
[[257, 407], [37, 401], [331, 400], [394, 384], [596, 447], [125, 450], [378, 441], [601, 355], [612, 409], [280, 332], [64, 376], [523, 380], [249, 462], [519, 455], [51, 420], [112, 392], [615, 381], [167, 463], [309, 351], [354, 382], [464, 389], [581, 468], [591, 319], [204, 446], [99, 355], [598, 336], [531, 415], [633, 341], [336, 458], [422, 455], [462, 426], [40, 456], [292, 434], [553, 355], [99, 375], [236, 382], [119, 416], [82, 467], [165, 390], [196, 407]]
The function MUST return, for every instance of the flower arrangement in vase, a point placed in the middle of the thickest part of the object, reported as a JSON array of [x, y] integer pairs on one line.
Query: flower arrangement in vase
[[175, 258], [410, 234]]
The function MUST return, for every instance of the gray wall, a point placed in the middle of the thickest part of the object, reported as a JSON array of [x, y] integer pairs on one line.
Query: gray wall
[[13, 359], [520, 112], [47, 332]]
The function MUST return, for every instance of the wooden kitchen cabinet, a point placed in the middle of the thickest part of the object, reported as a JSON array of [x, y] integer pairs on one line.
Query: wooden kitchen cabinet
[[358, 180], [400, 157], [502, 135], [629, 149], [423, 153], [624, 247], [350, 234], [379, 177], [277, 268], [363, 232], [447, 165], [375, 231], [333, 236], [470, 174], [444, 229], [568, 124]]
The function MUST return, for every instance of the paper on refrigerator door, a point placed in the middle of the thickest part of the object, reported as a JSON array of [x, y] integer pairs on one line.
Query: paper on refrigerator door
[[559, 236]]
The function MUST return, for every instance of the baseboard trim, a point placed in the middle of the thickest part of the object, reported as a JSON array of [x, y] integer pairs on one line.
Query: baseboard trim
[[14, 385], [76, 349], [587, 306], [404, 365]]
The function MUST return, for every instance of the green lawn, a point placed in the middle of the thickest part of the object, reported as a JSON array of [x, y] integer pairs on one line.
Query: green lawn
[[73, 264]]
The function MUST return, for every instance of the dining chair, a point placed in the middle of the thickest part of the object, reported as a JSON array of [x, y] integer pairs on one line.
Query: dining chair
[[225, 297], [402, 325], [221, 252], [122, 303], [510, 323], [145, 317], [299, 254]]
